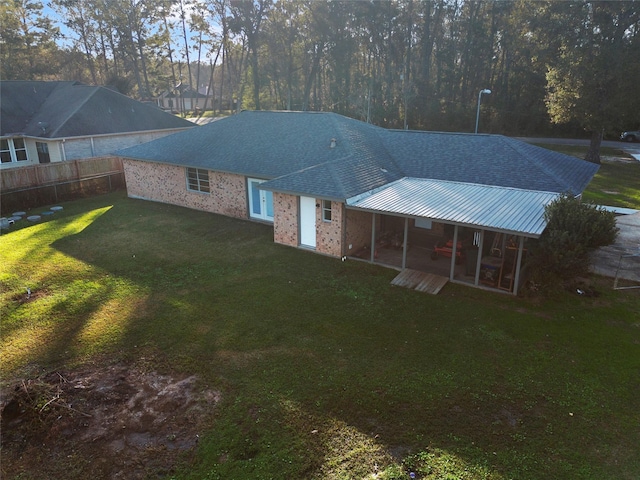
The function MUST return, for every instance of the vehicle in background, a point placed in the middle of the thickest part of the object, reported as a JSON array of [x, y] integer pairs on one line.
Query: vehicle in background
[[630, 136]]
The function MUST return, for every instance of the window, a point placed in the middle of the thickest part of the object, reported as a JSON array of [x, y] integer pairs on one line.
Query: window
[[43, 152], [20, 149], [326, 210], [198, 180], [5, 151], [13, 150]]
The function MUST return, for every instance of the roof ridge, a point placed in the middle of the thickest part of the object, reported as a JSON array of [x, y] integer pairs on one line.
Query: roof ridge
[[94, 90], [541, 166], [389, 154], [439, 132]]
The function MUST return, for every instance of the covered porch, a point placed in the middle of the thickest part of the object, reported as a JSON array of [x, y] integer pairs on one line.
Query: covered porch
[[472, 234]]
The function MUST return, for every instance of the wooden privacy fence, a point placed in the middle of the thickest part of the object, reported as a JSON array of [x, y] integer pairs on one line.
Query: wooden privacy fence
[[27, 187]]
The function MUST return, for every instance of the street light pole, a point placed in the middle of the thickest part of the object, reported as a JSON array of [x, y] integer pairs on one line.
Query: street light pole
[[487, 91]]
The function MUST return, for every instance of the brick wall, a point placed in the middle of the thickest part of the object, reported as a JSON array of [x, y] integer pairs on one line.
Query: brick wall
[[168, 184], [329, 234], [358, 231], [286, 224], [285, 220]]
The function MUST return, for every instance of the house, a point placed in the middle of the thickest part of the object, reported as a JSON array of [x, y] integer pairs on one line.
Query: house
[[45, 122], [344, 188], [184, 100]]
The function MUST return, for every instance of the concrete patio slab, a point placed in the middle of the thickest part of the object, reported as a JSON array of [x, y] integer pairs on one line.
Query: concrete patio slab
[[623, 257]]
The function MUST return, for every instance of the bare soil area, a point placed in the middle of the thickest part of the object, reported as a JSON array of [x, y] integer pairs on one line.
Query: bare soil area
[[108, 422]]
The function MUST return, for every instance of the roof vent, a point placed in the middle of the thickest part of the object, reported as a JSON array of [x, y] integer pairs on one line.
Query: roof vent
[[43, 126], [333, 143]]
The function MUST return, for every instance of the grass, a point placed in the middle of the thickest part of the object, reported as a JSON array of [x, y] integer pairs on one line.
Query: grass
[[616, 183], [326, 371]]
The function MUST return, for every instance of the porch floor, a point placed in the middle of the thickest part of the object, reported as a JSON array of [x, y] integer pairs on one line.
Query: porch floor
[[418, 258], [420, 281]]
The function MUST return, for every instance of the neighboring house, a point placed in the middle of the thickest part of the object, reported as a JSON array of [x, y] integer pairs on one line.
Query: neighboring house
[[344, 188], [43, 122], [184, 100]]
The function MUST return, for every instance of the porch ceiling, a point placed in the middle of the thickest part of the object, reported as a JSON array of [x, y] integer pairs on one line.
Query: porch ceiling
[[483, 206]]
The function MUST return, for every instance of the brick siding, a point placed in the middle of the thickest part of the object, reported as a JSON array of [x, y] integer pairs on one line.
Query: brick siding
[[168, 184], [329, 234], [285, 219]]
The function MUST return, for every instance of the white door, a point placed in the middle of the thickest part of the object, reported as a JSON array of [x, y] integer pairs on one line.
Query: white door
[[308, 222]]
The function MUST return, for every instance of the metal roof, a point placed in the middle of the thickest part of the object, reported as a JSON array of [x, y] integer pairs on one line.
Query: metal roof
[[505, 209]]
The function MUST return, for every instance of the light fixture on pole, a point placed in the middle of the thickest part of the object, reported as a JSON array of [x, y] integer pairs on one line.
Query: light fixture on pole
[[487, 91]]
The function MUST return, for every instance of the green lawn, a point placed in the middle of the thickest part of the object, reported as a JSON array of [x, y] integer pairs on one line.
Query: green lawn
[[325, 370], [617, 183]]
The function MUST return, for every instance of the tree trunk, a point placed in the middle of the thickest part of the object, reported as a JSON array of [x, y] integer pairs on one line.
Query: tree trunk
[[170, 52], [315, 67], [255, 76], [593, 154]]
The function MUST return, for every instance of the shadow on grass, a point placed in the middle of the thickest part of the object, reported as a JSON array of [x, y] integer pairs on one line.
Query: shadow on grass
[[328, 370]]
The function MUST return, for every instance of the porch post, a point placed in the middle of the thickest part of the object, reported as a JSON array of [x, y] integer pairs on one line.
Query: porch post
[[343, 248], [373, 236], [516, 281], [479, 260], [453, 252], [404, 244]]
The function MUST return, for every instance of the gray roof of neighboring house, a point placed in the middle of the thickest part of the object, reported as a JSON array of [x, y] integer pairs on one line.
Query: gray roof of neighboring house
[[293, 150], [71, 109]]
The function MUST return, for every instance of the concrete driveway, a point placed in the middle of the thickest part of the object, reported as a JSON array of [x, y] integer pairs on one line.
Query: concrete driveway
[[607, 260]]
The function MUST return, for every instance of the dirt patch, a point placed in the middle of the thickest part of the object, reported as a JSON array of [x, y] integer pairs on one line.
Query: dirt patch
[[29, 295], [108, 422]]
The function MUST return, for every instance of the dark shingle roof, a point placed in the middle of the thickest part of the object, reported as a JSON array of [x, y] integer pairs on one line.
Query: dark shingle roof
[[70, 109], [266, 144], [293, 149], [488, 160]]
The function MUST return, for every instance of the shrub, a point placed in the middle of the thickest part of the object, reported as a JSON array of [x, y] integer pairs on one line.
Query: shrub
[[574, 229]]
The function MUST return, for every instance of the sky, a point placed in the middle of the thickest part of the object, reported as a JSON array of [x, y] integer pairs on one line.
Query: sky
[[68, 35]]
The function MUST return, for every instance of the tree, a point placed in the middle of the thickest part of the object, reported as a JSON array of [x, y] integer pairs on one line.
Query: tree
[[595, 42], [27, 40], [78, 18], [247, 17]]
